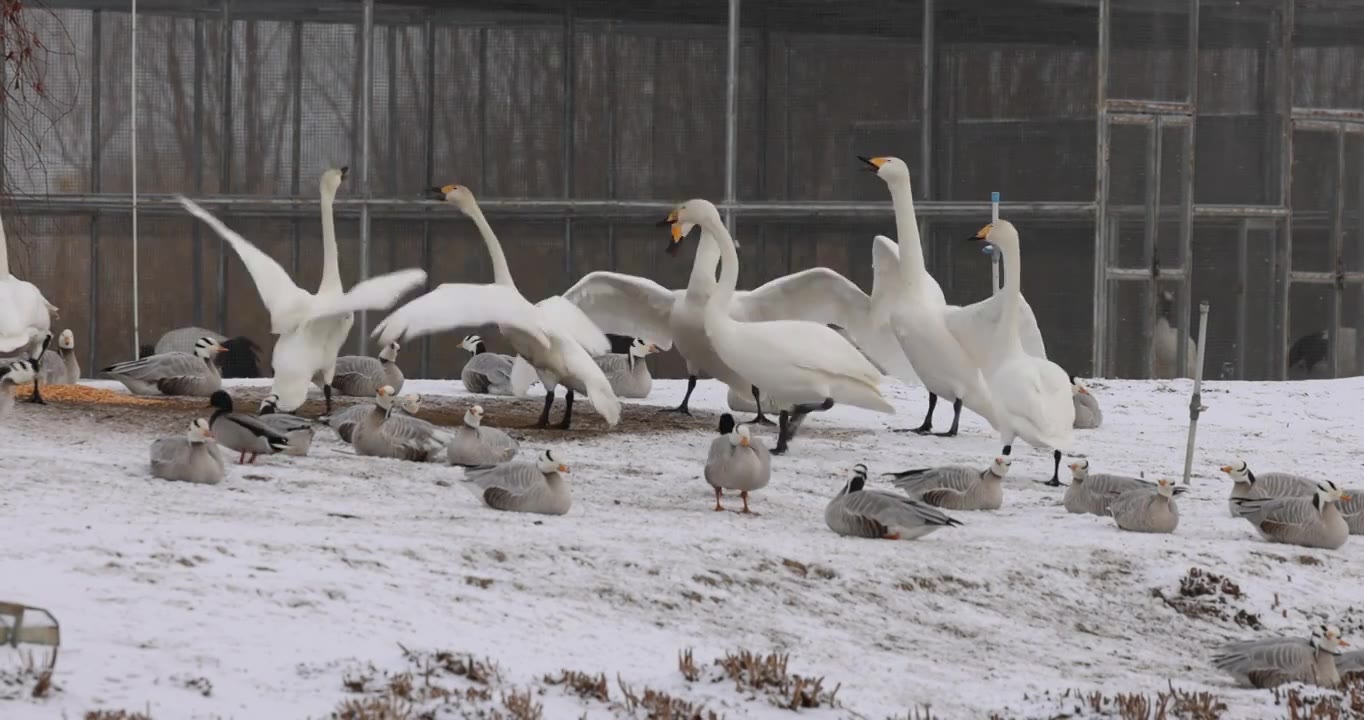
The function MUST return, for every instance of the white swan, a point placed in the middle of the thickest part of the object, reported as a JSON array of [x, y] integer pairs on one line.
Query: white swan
[[802, 364], [640, 307], [311, 327], [1031, 394], [553, 335], [25, 317]]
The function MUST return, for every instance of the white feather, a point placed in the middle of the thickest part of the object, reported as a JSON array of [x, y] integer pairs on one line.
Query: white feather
[[457, 305], [627, 305]]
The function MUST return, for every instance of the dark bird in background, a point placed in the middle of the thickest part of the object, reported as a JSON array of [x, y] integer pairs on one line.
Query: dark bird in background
[[1309, 350], [242, 359], [620, 344]]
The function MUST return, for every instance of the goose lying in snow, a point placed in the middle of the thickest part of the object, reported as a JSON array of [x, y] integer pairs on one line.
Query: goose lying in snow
[[298, 430], [486, 373], [956, 487], [1276, 661], [62, 367], [627, 372], [1141, 510], [1087, 413], [1309, 522], [1094, 494], [737, 461], [1350, 663], [193, 457], [1248, 485], [475, 445], [383, 433], [858, 512], [537, 487], [362, 376], [174, 373], [244, 433], [12, 375], [344, 422]]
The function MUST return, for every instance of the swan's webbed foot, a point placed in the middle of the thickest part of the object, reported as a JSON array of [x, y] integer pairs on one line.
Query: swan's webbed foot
[[691, 385], [761, 420], [1054, 482], [956, 420], [680, 409]]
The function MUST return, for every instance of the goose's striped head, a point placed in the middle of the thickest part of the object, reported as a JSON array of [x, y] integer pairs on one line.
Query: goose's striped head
[[1326, 638], [207, 347], [474, 416], [859, 479], [1238, 471], [67, 340], [550, 464], [1079, 470], [390, 352], [199, 432], [1329, 492], [1000, 467], [640, 349], [19, 372], [471, 343]]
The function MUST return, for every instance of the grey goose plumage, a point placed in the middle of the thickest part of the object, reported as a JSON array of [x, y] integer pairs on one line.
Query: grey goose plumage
[[1276, 661], [1148, 510], [344, 421], [537, 487], [192, 458], [858, 512], [473, 444], [362, 376], [956, 487], [486, 373], [1247, 485], [381, 432], [737, 461], [1093, 494], [628, 372], [175, 373], [299, 430], [1306, 521]]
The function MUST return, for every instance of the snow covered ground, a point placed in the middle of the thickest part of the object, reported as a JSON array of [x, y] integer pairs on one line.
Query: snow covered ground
[[274, 584]]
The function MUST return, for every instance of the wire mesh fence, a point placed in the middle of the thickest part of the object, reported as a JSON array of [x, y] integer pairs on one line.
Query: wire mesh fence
[[1153, 153]]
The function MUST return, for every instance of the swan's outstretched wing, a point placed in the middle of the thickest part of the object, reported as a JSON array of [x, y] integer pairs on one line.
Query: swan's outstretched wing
[[974, 327], [287, 303], [376, 293], [818, 295], [455, 305], [627, 305], [570, 322]]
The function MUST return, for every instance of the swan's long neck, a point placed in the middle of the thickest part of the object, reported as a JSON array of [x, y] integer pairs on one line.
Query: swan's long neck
[[501, 274], [703, 268], [4, 252], [907, 231], [331, 268], [717, 307], [1007, 332]]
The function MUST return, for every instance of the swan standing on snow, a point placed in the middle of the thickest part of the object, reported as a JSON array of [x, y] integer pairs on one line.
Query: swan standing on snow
[[311, 327], [192, 458], [737, 461], [858, 512], [641, 307], [486, 373], [552, 336], [11, 375], [1031, 394], [800, 364], [362, 376], [175, 373], [25, 317]]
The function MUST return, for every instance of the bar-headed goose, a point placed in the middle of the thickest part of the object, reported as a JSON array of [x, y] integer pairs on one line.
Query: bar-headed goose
[[537, 487], [362, 376], [25, 317], [192, 457], [1276, 661], [174, 373], [486, 373], [1249, 486], [382, 432], [1141, 510], [17, 373], [627, 372], [956, 487], [474, 444], [1087, 413], [1350, 664], [737, 461], [1307, 521], [344, 422], [859, 512], [1094, 494], [62, 367], [244, 433], [298, 430]]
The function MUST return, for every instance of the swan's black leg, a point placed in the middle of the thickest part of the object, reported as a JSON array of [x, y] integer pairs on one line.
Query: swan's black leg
[[927, 427], [956, 420], [800, 412], [691, 385], [38, 372], [757, 400], [782, 421], [568, 411], [1055, 480], [543, 422], [327, 393]]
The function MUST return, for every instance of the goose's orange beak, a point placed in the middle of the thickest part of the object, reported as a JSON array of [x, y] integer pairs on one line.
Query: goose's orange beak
[[1226, 468], [744, 441], [563, 468]]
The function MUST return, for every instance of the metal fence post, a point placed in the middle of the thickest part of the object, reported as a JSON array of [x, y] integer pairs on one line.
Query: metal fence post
[[732, 115], [429, 143], [1099, 351], [225, 171], [366, 88], [92, 309]]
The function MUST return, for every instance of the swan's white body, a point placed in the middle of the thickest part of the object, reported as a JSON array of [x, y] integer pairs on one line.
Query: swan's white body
[[1032, 395], [552, 336], [793, 361], [640, 307], [311, 327], [25, 315]]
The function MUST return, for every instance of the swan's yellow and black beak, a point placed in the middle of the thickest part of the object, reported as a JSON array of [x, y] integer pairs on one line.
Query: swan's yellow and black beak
[[982, 235], [873, 164], [675, 243], [439, 193], [344, 169]]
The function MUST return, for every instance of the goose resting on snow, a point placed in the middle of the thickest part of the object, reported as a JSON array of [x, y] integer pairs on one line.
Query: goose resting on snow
[[344, 422], [362, 376], [486, 373], [858, 512], [1248, 485], [1094, 494], [192, 458], [1276, 661], [173, 373], [1141, 510], [956, 487], [537, 487], [383, 433], [475, 445], [1087, 413], [1309, 522]]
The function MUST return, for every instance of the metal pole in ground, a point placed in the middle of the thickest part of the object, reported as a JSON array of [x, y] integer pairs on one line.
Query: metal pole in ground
[[994, 256], [1196, 406]]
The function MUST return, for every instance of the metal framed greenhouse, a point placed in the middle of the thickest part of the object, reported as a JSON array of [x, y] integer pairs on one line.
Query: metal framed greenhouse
[[1211, 149]]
